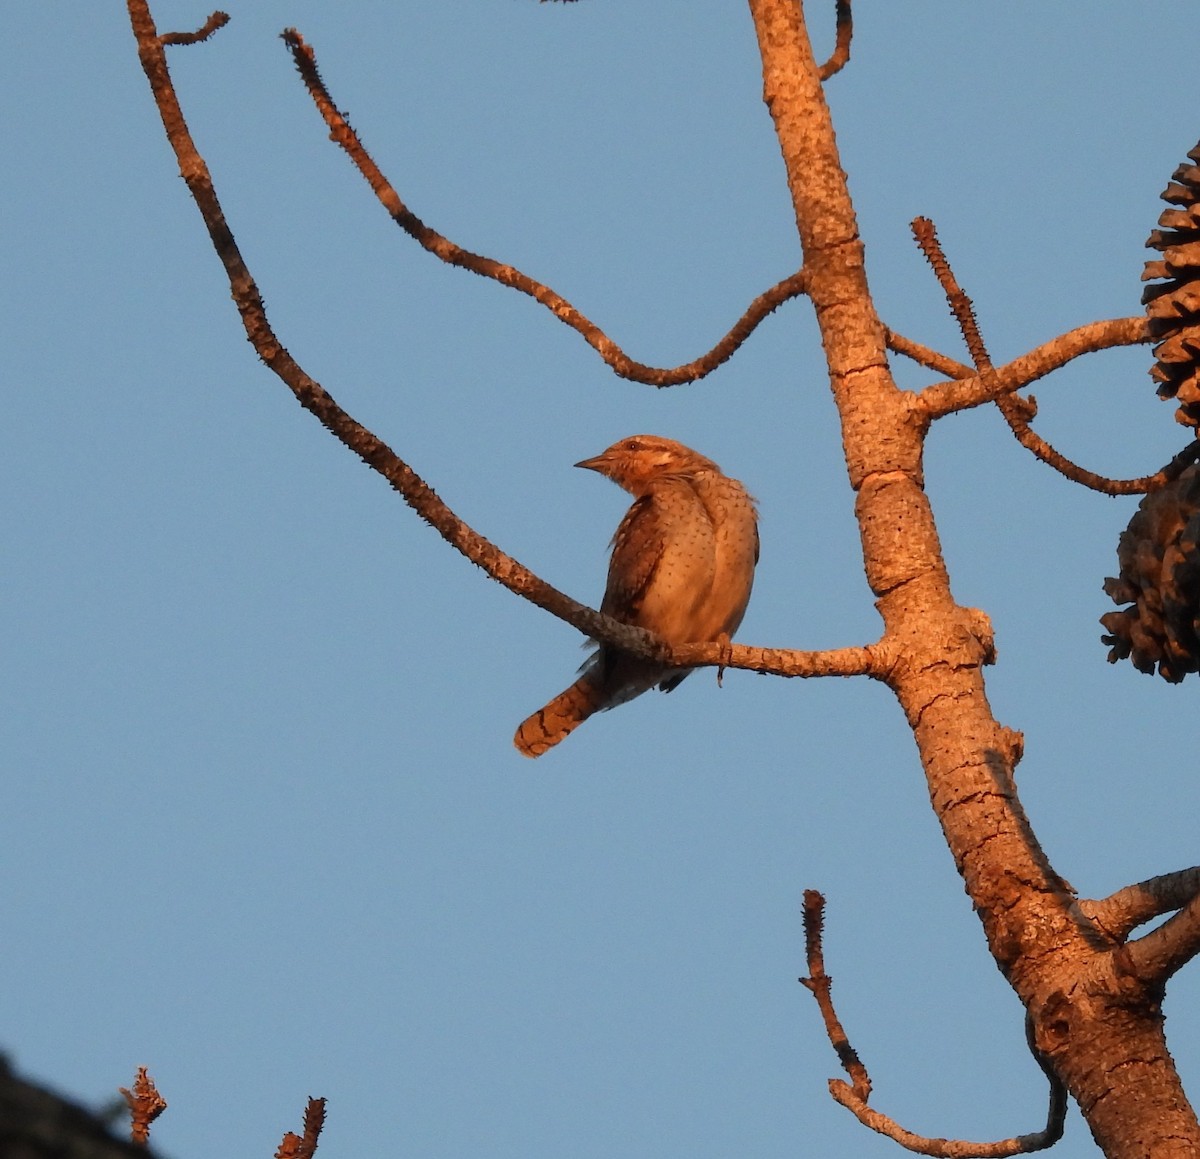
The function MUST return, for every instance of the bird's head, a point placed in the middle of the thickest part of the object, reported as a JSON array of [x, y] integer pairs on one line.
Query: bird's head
[[635, 461]]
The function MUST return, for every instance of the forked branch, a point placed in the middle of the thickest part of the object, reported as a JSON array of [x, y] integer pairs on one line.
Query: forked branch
[[854, 1095], [1017, 411], [1160, 953], [1122, 912], [453, 254]]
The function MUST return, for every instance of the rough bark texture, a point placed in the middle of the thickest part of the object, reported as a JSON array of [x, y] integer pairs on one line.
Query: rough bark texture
[[1097, 1022]]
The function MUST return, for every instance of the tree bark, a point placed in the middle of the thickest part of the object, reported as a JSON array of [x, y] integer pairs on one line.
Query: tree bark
[[1096, 1022]]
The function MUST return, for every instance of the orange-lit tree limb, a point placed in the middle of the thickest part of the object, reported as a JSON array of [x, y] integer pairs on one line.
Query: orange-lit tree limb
[[976, 388], [994, 384], [453, 254], [870, 660], [1122, 912], [840, 56], [1155, 956], [854, 1094], [1018, 412]]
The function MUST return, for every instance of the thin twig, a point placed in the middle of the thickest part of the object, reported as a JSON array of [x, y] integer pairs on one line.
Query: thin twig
[[453, 254], [304, 1146], [841, 49], [870, 660], [820, 985], [973, 389], [215, 21], [1017, 411], [854, 1094], [960, 305], [1123, 911], [924, 356], [145, 1105]]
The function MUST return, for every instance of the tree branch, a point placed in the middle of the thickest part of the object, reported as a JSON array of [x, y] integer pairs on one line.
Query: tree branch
[[854, 1095], [304, 1146], [977, 388], [1017, 411], [840, 56], [1158, 954], [873, 660], [923, 356], [453, 254], [216, 21], [1122, 912]]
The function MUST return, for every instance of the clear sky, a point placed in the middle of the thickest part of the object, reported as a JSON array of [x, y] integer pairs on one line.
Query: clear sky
[[263, 827]]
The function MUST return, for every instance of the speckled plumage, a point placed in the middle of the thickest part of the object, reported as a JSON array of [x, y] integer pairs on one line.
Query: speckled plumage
[[682, 566]]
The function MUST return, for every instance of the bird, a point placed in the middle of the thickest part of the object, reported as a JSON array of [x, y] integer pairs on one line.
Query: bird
[[682, 566]]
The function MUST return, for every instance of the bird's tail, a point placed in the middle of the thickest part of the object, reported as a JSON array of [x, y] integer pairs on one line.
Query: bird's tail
[[562, 716]]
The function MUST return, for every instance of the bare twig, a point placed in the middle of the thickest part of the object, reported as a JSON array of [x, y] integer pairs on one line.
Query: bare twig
[[145, 1105], [1122, 912], [922, 355], [821, 986], [960, 305], [841, 49], [453, 254], [1017, 411], [974, 389], [1155, 956], [854, 1094], [944, 1148], [304, 1146], [215, 21]]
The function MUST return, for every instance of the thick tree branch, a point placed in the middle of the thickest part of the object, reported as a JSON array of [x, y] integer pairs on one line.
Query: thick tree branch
[[976, 389], [453, 254], [1155, 956], [1122, 912], [854, 1095]]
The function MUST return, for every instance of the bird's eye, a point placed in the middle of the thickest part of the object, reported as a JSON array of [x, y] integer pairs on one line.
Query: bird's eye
[[633, 444]]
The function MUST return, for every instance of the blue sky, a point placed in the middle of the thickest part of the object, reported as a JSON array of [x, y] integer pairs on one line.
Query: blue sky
[[265, 831]]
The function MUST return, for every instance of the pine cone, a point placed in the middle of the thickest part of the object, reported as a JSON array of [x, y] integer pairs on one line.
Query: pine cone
[[1173, 305], [1159, 555]]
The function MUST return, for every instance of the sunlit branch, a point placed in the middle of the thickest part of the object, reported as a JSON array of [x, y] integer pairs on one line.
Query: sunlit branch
[[975, 389], [870, 660], [1122, 912], [453, 254], [145, 1105], [924, 356], [841, 49], [212, 24], [956, 297], [1155, 956], [1017, 411], [853, 1095], [304, 1146]]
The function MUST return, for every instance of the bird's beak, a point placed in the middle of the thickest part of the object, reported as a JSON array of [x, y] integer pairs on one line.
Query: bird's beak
[[595, 463]]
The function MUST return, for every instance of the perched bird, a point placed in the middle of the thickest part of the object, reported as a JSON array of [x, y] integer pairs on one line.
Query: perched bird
[[682, 566]]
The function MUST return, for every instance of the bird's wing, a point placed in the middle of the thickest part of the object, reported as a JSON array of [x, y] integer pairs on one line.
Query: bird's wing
[[637, 551]]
